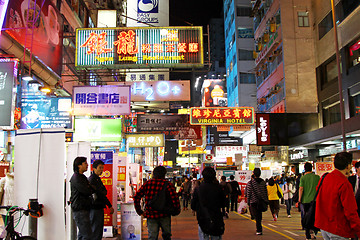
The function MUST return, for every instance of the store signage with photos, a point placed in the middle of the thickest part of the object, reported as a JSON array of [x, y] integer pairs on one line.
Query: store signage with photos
[[222, 116], [104, 100], [262, 129], [213, 93], [45, 112], [142, 91], [191, 146], [48, 29], [8, 73], [97, 130], [139, 47], [145, 140]]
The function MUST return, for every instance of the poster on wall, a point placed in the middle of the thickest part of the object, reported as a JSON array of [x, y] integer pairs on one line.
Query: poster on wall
[[131, 222], [8, 73], [47, 43], [106, 178]]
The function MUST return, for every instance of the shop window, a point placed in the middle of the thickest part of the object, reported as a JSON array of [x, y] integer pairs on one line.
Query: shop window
[[325, 25], [355, 105], [303, 19], [354, 54]]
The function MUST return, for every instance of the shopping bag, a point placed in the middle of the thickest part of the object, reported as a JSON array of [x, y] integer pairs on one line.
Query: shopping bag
[[242, 207]]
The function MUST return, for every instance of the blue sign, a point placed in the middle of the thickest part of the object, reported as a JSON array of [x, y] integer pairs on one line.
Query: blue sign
[[148, 6], [105, 156], [45, 112]]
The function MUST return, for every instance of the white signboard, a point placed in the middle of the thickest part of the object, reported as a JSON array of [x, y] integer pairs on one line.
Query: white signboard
[[243, 176], [130, 222], [101, 100], [145, 140], [142, 91], [141, 13], [230, 151], [158, 74]]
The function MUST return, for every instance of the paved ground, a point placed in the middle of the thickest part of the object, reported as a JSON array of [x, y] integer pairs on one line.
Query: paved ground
[[238, 226]]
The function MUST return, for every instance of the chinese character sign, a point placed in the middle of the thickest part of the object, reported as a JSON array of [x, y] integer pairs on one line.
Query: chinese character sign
[[140, 47], [145, 140], [323, 167], [221, 116], [263, 129], [101, 100]]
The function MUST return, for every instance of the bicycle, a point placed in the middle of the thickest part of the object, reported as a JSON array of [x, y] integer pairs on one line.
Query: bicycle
[[11, 233]]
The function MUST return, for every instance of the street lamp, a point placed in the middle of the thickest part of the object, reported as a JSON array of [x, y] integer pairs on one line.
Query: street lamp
[[342, 110]]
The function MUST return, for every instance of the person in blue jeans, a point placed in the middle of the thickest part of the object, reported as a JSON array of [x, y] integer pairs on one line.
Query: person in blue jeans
[[288, 190]]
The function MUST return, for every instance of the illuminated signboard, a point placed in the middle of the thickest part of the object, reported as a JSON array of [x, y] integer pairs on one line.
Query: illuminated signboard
[[101, 100], [8, 73], [139, 47], [97, 130], [220, 116], [159, 91], [145, 140], [262, 129]]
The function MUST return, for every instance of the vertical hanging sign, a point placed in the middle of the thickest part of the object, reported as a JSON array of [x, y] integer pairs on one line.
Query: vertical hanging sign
[[106, 178], [262, 129]]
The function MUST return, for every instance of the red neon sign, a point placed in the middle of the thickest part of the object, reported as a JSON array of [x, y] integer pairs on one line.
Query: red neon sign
[[96, 42], [219, 116], [126, 43]]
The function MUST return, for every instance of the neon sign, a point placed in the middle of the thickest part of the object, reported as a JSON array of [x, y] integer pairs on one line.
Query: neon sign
[[140, 47], [221, 116], [159, 91]]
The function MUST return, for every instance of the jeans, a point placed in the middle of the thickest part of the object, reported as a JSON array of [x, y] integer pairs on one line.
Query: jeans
[[82, 220], [305, 207], [329, 236], [288, 205], [204, 236], [234, 202], [154, 225], [97, 223], [258, 216]]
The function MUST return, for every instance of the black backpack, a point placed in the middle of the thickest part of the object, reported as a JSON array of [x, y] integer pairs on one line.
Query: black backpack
[[161, 202]]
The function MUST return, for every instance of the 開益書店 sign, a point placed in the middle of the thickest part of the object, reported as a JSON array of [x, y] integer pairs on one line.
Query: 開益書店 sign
[[139, 47], [221, 116]]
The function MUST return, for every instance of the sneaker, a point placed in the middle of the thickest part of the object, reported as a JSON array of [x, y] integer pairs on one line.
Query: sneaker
[[289, 216], [258, 233]]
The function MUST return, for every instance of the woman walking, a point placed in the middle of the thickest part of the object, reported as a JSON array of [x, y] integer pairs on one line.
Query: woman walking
[[289, 191], [274, 204]]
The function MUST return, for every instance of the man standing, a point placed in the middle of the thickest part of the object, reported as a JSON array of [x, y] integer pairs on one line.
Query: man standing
[[235, 193], [307, 192], [336, 210], [226, 187], [100, 201], [355, 183], [157, 219], [255, 192], [81, 199]]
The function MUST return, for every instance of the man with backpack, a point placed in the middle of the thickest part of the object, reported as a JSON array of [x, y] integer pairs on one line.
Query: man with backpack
[[226, 188], [235, 193], [161, 202]]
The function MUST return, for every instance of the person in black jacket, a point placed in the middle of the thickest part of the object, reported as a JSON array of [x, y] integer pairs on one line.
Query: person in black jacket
[[235, 193], [100, 200], [355, 183], [81, 199], [207, 201]]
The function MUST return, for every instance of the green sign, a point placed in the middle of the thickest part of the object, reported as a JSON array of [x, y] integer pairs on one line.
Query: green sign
[[97, 130]]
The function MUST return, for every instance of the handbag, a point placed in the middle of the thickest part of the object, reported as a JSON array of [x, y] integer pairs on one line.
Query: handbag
[[308, 220], [278, 192]]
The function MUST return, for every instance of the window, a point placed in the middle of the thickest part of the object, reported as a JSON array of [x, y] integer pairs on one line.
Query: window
[[355, 105], [235, 82], [327, 72], [331, 114], [331, 71], [349, 6], [303, 19], [325, 25], [243, 11], [247, 77], [245, 54]]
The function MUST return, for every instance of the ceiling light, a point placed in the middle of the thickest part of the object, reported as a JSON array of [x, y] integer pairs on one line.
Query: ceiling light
[[27, 78], [162, 110]]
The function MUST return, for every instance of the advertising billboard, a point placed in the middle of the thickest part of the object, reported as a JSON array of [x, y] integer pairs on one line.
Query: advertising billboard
[[145, 140], [213, 93], [47, 38], [104, 100], [140, 47], [45, 112], [142, 91], [144, 12], [221, 116], [97, 130], [8, 72]]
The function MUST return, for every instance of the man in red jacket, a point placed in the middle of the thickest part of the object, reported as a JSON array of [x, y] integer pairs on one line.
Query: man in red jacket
[[336, 210]]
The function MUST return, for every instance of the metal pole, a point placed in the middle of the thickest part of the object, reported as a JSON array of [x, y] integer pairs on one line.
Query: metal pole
[[342, 109], [33, 221]]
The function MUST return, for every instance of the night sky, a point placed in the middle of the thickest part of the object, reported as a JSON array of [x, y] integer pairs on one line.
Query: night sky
[[195, 12]]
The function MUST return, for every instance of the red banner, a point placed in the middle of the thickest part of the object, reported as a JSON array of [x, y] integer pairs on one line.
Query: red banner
[[106, 178]]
